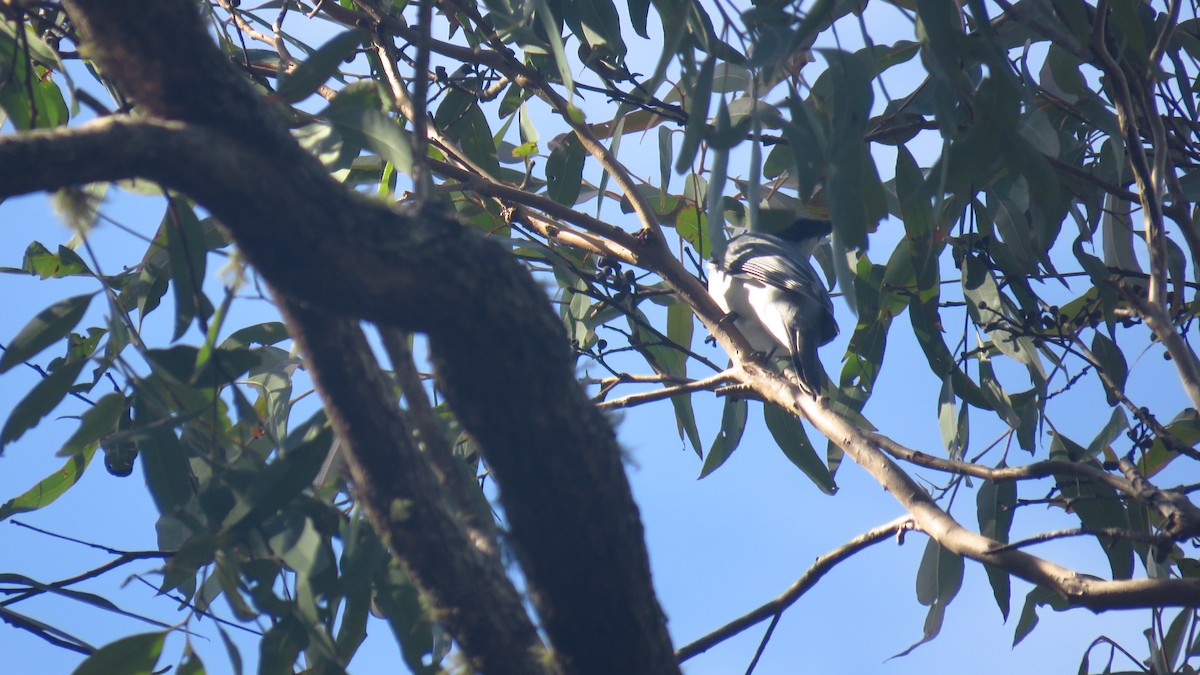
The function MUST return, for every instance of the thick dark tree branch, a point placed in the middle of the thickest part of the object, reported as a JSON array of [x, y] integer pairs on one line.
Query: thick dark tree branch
[[574, 524], [468, 590]]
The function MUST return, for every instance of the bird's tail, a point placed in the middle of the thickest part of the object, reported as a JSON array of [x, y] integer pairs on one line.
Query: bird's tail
[[808, 366]]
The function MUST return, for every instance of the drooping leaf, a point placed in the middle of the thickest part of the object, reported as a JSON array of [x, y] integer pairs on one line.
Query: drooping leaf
[[1097, 505], [564, 171], [166, 468], [856, 196], [995, 503], [463, 121], [186, 255], [280, 481], [1038, 597], [1112, 361], [401, 606], [789, 434], [733, 423], [697, 106]]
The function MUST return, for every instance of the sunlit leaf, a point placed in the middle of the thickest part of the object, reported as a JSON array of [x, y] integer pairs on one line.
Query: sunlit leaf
[[49, 488], [133, 655]]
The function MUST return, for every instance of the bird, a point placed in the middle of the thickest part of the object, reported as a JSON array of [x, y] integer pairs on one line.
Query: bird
[[767, 285]]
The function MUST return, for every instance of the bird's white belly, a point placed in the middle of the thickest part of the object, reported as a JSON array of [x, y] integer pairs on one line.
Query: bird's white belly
[[766, 333]]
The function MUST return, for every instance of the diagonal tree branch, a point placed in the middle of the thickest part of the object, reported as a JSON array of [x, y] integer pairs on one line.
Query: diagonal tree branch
[[468, 590], [811, 576]]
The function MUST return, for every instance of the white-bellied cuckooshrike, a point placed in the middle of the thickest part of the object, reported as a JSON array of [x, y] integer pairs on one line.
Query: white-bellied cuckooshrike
[[769, 287]]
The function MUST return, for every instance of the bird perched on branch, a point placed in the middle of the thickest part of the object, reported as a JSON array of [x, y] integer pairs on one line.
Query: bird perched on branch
[[766, 283]]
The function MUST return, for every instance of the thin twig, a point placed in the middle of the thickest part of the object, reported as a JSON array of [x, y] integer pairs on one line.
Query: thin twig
[[660, 394], [806, 581]]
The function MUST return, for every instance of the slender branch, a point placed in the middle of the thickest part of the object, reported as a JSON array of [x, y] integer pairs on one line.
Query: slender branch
[[1108, 532], [1185, 360], [528, 78], [1141, 413], [420, 119], [823, 565], [660, 394], [1040, 469], [1181, 518]]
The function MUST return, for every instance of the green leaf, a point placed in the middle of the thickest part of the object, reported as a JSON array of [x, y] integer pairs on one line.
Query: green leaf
[[1117, 423], [27, 93], [1110, 358], [96, 423], [1185, 427], [564, 171], [551, 26], [281, 481], [192, 665], [40, 261], [281, 646], [366, 126], [235, 657], [49, 326], [685, 420], [856, 196], [995, 503], [940, 575], [186, 255], [697, 108], [913, 193], [1038, 597], [320, 65], [49, 488], [363, 557], [164, 463], [260, 334], [733, 423], [949, 420], [463, 121], [133, 655], [195, 553], [43, 398], [639, 13], [789, 434], [1097, 505]]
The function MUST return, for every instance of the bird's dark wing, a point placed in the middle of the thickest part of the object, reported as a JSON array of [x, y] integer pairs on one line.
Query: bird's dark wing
[[775, 262]]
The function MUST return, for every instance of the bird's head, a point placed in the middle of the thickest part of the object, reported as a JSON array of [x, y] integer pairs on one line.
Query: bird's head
[[805, 233]]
